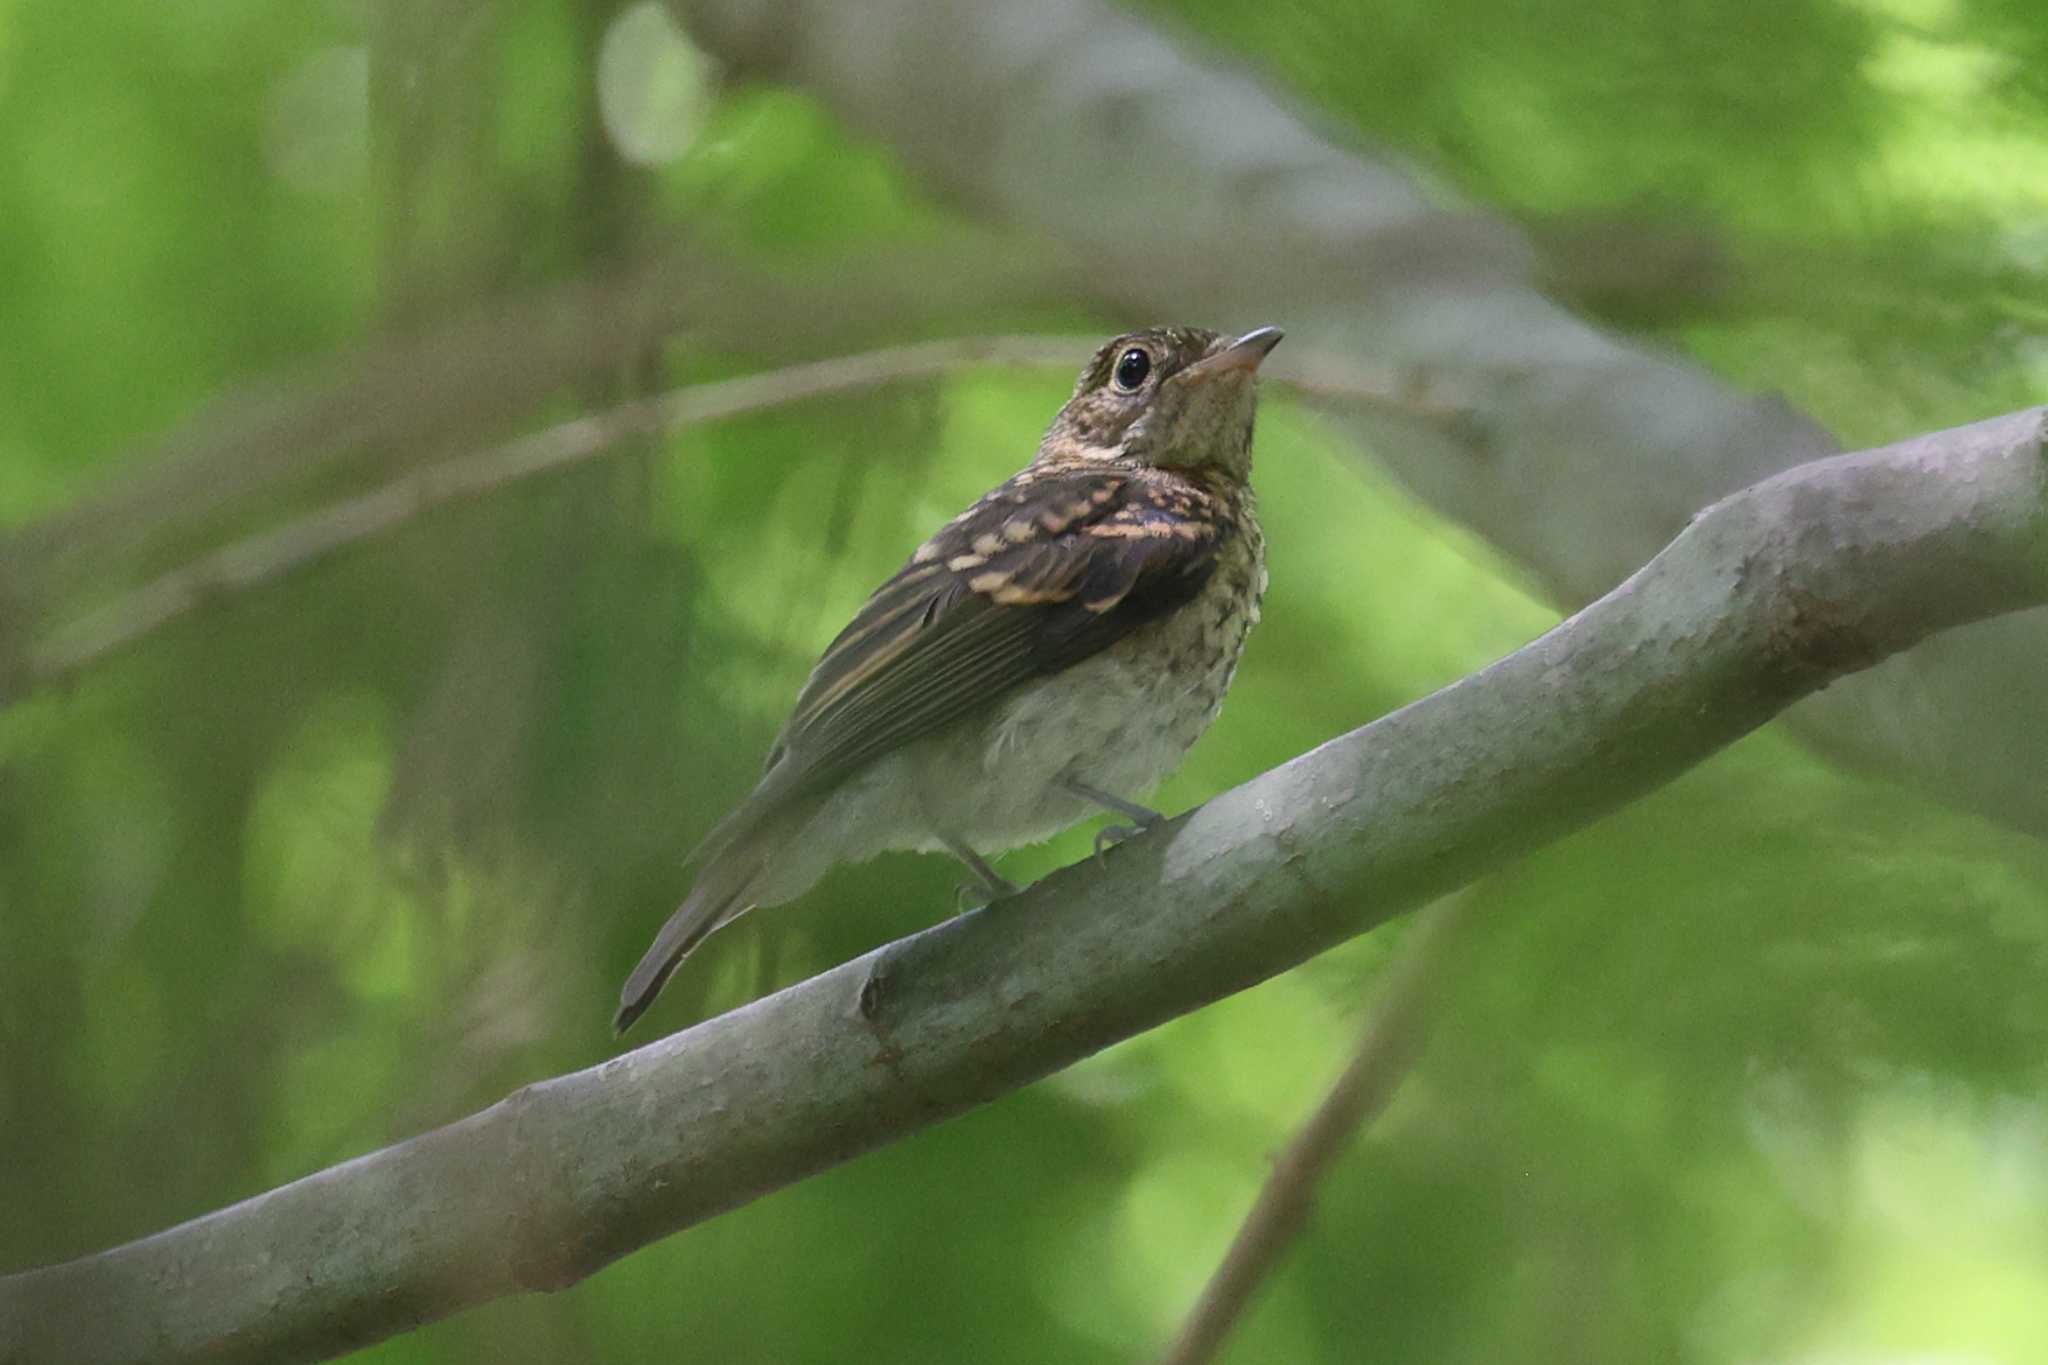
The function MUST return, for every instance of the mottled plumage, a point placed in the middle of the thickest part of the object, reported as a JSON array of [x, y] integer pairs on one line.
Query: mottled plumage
[[1055, 648]]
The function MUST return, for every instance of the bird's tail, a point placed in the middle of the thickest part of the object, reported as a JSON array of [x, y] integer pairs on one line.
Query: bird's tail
[[734, 857]]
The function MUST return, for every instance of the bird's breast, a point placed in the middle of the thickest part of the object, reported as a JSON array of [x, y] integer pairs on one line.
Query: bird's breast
[[1125, 718], [1194, 651]]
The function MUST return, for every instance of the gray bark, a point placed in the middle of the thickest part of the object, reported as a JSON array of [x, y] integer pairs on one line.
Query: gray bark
[[1767, 597], [1191, 194]]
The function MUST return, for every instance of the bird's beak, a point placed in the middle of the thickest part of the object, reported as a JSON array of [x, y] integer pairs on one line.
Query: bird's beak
[[1241, 355]]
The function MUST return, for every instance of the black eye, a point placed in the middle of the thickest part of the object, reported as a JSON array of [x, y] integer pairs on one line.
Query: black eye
[[1131, 368]]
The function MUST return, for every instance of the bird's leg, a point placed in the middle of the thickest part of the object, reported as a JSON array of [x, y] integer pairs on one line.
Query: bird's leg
[[1141, 817], [993, 884]]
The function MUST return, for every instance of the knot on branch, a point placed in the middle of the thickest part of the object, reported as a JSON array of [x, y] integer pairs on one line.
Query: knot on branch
[[1810, 639]]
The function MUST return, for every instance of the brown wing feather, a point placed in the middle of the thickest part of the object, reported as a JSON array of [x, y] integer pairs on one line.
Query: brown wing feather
[[1045, 571]]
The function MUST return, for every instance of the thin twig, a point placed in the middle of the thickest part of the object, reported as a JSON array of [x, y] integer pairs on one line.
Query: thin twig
[[1387, 1046], [270, 555], [399, 402]]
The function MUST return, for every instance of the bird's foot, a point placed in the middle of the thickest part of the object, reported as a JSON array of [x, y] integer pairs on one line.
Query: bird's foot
[[967, 895], [988, 883], [1110, 835], [1143, 817]]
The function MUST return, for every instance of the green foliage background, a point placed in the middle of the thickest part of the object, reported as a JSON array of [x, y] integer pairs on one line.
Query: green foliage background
[[1750, 1071]]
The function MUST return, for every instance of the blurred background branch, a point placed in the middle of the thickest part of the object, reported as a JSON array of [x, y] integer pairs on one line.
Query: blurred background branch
[[1395, 1029], [262, 558], [401, 404], [1190, 187], [1581, 455]]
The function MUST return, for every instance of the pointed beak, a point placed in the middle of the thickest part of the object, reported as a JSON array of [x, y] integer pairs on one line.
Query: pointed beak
[[1243, 354]]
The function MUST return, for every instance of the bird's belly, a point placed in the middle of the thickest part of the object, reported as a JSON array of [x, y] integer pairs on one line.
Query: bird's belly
[[1118, 722]]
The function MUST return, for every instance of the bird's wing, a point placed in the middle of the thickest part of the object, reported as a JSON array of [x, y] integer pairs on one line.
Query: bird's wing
[[1050, 568]]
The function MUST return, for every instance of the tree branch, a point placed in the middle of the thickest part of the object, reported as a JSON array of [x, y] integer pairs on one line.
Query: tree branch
[[405, 401], [1388, 1044], [1765, 598], [266, 557], [1588, 453]]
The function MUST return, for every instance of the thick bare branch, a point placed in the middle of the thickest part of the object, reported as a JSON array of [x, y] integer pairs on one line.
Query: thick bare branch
[[1766, 597], [1197, 194]]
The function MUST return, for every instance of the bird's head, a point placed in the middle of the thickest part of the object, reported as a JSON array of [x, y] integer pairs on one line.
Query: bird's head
[[1172, 397]]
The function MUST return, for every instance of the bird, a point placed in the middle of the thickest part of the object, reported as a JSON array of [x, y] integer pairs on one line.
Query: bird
[[1050, 652]]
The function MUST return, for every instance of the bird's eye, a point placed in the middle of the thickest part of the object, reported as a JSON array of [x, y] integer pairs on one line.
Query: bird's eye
[[1131, 368]]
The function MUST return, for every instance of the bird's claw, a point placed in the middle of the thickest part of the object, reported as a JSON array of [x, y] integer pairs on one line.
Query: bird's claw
[[967, 895], [1110, 835]]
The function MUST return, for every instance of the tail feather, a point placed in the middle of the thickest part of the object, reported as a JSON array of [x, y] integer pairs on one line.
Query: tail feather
[[707, 907], [733, 858]]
